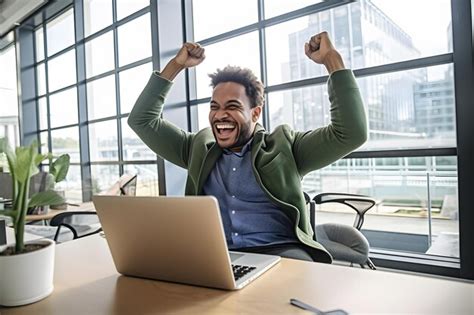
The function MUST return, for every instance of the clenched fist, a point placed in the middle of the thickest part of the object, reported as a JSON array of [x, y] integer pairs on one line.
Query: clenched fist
[[190, 55], [320, 50]]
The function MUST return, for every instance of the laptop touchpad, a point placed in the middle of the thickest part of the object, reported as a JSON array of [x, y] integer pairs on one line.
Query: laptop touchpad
[[234, 256]]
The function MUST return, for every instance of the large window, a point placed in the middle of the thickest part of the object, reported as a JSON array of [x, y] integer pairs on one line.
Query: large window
[[405, 73], [89, 70], [85, 92]]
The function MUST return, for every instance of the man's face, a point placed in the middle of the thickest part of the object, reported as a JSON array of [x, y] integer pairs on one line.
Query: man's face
[[231, 117]]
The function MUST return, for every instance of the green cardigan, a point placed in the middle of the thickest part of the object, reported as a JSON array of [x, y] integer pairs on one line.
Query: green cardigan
[[280, 158]]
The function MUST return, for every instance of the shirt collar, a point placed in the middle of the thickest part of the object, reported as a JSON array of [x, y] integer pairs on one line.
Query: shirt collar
[[246, 148]]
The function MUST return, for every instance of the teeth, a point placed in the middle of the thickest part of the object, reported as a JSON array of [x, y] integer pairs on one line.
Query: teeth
[[224, 126]]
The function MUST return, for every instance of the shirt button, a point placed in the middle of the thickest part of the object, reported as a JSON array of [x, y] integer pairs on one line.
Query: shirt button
[[233, 196], [234, 169], [236, 234], [233, 211]]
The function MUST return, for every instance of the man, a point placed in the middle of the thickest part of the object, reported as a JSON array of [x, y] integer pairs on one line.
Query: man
[[255, 175]]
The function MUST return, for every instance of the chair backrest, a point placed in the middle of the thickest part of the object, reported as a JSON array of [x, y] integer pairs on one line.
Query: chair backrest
[[38, 182], [80, 223]]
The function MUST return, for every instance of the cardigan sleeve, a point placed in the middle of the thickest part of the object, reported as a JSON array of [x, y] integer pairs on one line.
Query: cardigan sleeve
[[163, 137]]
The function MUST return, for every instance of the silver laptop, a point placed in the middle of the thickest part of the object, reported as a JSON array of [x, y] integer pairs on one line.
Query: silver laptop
[[177, 239]]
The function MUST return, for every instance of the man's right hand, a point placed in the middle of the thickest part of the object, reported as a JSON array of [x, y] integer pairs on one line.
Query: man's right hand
[[190, 55]]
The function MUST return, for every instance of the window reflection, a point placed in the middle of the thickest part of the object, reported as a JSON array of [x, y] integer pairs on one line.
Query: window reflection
[[72, 185]]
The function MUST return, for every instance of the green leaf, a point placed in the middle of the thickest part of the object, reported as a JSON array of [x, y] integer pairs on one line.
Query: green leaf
[[40, 158], [45, 198], [25, 167], [60, 167]]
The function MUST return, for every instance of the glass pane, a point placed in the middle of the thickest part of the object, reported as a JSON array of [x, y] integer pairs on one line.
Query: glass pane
[[132, 83], [66, 140], [147, 179], [103, 177], [127, 7], [242, 51], [44, 141], [133, 147], [411, 109], [277, 7], [63, 108], [214, 17], [72, 185], [103, 141], [60, 32], [203, 116], [97, 15], [43, 113], [8, 95], [134, 40], [399, 220], [41, 79], [101, 98], [62, 71], [39, 44], [365, 35], [100, 54]]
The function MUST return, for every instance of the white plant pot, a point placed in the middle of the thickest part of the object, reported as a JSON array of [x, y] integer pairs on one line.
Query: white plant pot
[[27, 278]]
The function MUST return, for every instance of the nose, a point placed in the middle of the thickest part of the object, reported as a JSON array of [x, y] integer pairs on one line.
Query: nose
[[221, 114]]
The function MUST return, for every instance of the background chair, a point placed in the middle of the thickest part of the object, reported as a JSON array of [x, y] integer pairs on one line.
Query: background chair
[[67, 226], [343, 242], [79, 223]]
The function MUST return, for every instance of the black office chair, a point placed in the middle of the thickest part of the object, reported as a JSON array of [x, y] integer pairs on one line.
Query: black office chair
[[79, 223], [343, 242]]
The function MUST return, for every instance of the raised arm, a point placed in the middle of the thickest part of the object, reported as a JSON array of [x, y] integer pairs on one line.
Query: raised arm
[[163, 137], [348, 128]]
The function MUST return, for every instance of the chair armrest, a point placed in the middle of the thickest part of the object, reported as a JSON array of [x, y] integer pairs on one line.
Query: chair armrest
[[359, 203]]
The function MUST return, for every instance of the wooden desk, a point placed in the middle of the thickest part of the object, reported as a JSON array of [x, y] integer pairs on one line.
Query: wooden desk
[[87, 206], [86, 282]]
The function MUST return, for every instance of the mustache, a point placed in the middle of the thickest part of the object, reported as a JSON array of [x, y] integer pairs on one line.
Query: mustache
[[216, 121]]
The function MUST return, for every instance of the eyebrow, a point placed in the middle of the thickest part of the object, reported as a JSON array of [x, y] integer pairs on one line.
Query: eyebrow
[[228, 102]]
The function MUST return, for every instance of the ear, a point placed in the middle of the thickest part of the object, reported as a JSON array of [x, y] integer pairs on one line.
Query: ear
[[256, 111]]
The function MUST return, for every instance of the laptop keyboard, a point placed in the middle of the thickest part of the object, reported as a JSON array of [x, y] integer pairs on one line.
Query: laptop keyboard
[[240, 271]]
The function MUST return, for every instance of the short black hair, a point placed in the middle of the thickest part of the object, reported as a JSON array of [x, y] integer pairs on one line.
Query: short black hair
[[253, 86]]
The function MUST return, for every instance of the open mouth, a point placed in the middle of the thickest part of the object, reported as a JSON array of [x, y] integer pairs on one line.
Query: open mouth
[[224, 130]]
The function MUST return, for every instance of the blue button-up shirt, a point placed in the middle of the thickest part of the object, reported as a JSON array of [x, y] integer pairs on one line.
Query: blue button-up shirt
[[248, 216]]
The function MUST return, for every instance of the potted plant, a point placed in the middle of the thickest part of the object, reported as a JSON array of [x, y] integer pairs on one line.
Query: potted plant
[[59, 168], [26, 269]]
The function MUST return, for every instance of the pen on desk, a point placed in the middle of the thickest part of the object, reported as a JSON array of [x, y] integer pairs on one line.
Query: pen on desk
[[305, 306]]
